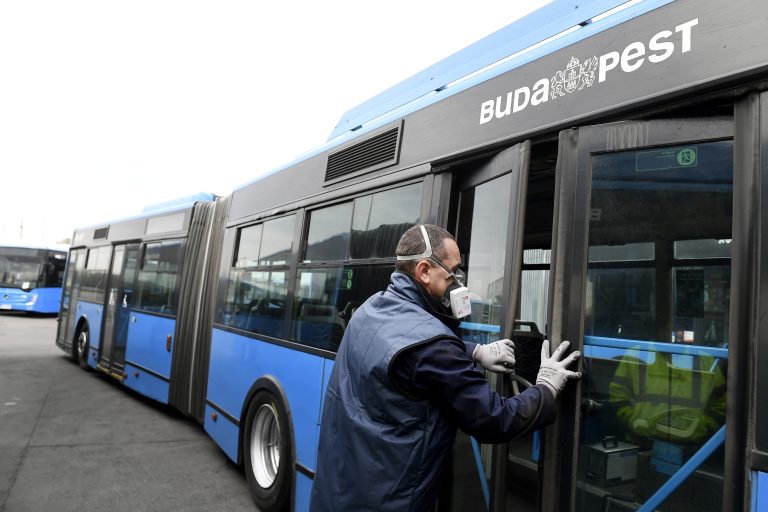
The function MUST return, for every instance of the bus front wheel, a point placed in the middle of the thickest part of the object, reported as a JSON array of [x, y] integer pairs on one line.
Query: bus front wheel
[[267, 452], [82, 346]]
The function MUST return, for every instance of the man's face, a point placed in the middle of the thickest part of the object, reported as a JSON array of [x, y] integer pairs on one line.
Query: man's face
[[438, 279]]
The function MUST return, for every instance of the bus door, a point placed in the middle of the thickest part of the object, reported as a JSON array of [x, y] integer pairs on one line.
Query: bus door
[[69, 294], [486, 214], [119, 300], [641, 284]]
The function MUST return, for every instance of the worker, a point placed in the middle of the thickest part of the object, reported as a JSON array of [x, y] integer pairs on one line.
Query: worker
[[404, 382]]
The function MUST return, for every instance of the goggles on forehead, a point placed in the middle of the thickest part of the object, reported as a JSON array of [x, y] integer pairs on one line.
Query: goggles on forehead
[[457, 276]]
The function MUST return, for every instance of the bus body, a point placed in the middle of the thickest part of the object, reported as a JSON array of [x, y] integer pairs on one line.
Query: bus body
[[31, 278], [602, 166], [132, 296]]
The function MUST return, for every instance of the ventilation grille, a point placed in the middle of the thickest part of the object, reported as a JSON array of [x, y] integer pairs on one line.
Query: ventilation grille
[[100, 233], [376, 152]]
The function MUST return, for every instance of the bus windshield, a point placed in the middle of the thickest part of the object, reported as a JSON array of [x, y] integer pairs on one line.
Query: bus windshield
[[19, 267]]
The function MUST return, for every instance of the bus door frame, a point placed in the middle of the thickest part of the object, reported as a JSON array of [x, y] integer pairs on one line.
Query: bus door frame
[[568, 278], [111, 317], [447, 187]]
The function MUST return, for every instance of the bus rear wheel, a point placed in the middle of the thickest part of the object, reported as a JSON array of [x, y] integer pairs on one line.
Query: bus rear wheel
[[267, 452], [82, 346]]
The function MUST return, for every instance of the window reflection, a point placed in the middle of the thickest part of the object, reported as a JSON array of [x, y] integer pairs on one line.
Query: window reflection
[[326, 299], [158, 277], [656, 321]]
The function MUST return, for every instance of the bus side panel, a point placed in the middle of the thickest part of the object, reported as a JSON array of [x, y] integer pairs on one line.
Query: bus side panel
[[303, 491], [145, 383], [93, 314], [238, 361], [147, 345], [221, 430], [48, 300], [759, 491]]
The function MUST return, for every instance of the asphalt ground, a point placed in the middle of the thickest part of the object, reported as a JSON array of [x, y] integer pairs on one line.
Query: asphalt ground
[[72, 440]]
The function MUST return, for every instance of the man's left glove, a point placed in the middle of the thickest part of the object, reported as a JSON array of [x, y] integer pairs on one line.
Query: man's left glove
[[498, 356]]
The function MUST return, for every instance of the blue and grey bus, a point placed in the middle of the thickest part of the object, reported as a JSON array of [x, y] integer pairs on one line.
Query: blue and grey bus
[[602, 165], [31, 278]]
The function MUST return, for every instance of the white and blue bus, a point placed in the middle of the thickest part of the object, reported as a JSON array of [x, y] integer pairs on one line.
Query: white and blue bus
[[602, 165], [31, 278]]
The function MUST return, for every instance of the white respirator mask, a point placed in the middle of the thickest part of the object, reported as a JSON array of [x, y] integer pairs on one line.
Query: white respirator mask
[[456, 296]]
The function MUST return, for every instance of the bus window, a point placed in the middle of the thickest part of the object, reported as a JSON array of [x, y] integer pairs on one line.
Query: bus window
[[348, 234], [257, 292], [158, 277], [94, 278], [381, 219], [656, 324]]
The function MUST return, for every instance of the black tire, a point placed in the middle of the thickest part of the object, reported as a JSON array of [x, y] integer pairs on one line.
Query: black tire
[[81, 346], [268, 466]]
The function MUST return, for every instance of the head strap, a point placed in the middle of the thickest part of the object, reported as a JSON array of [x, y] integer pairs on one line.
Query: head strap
[[427, 252]]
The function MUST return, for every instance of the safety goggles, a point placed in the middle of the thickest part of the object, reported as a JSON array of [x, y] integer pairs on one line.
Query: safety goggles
[[458, 276]]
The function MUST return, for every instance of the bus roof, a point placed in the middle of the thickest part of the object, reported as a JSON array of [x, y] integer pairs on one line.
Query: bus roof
[[46, 247], [546, 30]]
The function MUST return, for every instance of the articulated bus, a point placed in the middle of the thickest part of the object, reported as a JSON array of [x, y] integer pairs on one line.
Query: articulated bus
[[31, 278], [602, 166]]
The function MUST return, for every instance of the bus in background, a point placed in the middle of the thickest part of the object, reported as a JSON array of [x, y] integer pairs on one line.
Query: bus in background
[[31, 278], [133, 294], [602, 166]]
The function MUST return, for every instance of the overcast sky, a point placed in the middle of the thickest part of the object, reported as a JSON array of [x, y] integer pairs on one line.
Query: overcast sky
[[106, 106]]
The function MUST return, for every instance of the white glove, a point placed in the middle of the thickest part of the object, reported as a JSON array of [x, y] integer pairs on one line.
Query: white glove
[[553, 373], [498, 356]]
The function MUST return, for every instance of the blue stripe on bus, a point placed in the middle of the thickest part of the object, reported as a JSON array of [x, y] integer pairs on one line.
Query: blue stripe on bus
[[469, 326], [655, 346]]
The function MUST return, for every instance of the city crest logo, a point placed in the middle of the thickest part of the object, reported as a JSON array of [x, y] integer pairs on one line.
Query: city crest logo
[[574, 77]]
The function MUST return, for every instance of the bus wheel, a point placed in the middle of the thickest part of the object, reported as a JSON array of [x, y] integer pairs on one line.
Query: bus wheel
[[82, 346], [268, 452]]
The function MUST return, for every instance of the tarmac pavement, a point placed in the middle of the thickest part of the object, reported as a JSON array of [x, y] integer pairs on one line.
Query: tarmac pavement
[[72, 440]]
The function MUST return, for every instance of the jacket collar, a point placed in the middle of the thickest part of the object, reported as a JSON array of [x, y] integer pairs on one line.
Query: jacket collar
[[403, 285]]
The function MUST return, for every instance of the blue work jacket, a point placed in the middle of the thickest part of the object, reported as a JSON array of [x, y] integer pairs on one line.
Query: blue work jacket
[[384, 447]]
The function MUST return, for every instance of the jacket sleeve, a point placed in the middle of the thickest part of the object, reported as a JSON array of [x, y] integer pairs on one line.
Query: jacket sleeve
[[444, 373]]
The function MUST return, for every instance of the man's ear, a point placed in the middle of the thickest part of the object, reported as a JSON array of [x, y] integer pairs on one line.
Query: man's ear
[[421, 272]]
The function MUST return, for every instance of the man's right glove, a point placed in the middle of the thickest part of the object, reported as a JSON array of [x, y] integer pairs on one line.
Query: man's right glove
[[553, 373]]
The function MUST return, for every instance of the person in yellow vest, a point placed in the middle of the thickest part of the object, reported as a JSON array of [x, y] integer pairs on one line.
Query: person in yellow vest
[[674, 398]]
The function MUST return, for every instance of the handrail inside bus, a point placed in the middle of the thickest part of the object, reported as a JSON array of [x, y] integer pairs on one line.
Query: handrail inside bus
[[656, 346], [686, 470]]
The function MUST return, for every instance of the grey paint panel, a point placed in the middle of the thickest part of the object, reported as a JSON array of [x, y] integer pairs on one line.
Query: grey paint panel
[[724, 43]]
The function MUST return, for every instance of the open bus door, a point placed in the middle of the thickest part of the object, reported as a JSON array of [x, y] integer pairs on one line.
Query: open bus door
[[641, 282], [120, 285], [487, 215]]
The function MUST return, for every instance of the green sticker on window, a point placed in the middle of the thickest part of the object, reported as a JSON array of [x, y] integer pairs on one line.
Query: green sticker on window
[[686, 156], [667, 158]]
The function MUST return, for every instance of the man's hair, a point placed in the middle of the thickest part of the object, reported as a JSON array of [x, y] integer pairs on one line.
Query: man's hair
[[412, 242]]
